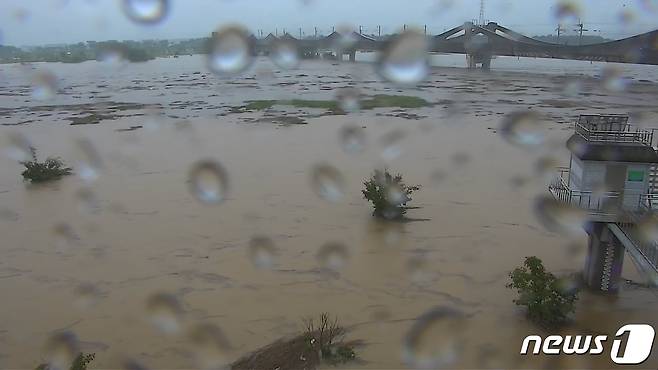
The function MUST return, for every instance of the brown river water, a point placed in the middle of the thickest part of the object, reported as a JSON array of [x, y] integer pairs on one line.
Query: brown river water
[[137, 230]]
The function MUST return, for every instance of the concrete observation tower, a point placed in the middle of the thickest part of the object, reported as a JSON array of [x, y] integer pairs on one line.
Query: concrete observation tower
[[612, 176]]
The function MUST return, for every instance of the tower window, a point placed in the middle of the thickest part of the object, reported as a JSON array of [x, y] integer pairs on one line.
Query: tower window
[[635, 176]]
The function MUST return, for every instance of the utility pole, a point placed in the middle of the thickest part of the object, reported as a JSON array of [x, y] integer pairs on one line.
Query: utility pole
[[300, 33], [404, 27], [276, 32], [379, 30], [316, 32], [580, 31], [360, 30], [425, 30], [333, 29], [559, 30]]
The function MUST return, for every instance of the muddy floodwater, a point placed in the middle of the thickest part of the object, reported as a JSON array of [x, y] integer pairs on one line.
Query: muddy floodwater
[[86, 253]]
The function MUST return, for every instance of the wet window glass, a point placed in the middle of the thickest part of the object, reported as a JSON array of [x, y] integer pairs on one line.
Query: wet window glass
[[323, 184]]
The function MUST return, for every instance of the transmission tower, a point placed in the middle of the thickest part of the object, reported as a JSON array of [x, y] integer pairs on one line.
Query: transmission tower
[[481, 19]]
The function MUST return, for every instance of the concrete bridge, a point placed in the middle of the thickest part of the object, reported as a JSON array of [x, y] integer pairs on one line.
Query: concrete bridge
[[481, 43]]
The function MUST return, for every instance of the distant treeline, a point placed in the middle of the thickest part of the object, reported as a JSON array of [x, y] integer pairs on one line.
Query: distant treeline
[[571, 39], [133, 51]]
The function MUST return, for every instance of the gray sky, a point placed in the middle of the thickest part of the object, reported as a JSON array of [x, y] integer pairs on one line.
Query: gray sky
[[34, 22]]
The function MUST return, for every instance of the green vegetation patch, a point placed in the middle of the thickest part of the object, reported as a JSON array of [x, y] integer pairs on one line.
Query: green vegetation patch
[[376, 101], [545, 296], [321, 343], [51, 169]]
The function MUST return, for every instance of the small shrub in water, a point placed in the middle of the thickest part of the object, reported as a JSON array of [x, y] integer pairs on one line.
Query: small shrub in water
[[539, 290], [81, 362], [51, 169], [388, 194]]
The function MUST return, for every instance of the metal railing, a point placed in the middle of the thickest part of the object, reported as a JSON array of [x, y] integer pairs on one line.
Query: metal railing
[[609, 203], [632, 212], [614, 133]]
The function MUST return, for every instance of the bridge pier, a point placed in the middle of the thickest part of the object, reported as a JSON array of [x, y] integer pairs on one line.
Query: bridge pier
[[353, 56], [605, 258]]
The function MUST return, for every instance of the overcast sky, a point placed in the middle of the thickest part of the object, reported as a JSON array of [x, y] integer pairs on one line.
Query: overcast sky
[[34, 22]]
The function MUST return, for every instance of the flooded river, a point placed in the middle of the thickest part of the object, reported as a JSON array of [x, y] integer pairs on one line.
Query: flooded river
[[88, 253]]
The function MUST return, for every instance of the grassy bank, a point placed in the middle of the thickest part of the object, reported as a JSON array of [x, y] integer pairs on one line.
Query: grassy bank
[[376, 101]]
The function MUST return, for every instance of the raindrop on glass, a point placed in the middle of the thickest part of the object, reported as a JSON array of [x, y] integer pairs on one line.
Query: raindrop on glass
[[44, 85], [613, 80], [208, 182], [327, 182], [19, 147], [349, 99], [61, 349], [522, 129], [262, 252], [231, 51], [392, 144], [210, 346], [419, 269], [568, 10], [435, 341], [87, 201], [352, 139], [164, 312], [333, 256], [558, 216], [405, 59], [64, 235], [146, 11], [86, 296], [90, 162], [285, 53]]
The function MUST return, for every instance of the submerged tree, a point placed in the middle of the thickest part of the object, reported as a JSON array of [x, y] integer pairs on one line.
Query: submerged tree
[[388, 194], [540, 291], [52, 168]]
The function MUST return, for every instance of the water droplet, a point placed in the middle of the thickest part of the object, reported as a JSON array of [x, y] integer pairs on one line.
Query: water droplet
[[164, 312], [573, 88], [648, 229], [111, 55], [352, 139], [612, 79], [90, 162], [209, 182], [522, 129], [437, 177], [146, 11], [568, 10], [546, 166], [65, 237], [44, 85], [86, 296], [231, 51], [568, 285], [349, 99], [262, 252], [559, 217], [419, 269], [327, 182], [285, 53], [132, 364], [435, 340], [392, 144], [345, 38], [210, 346], [333, 256], [405, 59], [61, 349], [87, 201], [19, 147]]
